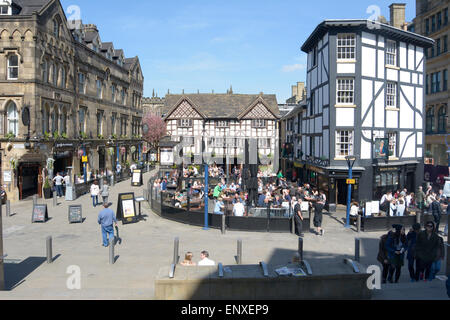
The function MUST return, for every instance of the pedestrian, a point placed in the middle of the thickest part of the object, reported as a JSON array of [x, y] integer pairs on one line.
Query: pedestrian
[[385, 202], [393, 208], [318, 216], [105, 192], [205, 261], [436, 265], [420, 198], [58, 180], [426, 251], [436, 210], [107, 219], [382, 256], [95, 190], [298, 218], [411, 240], [396, 248]]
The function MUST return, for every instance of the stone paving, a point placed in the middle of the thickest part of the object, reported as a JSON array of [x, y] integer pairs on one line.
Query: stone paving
[[148, 246]]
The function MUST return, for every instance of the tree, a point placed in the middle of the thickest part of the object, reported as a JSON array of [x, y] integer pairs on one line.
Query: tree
[[154, 129]]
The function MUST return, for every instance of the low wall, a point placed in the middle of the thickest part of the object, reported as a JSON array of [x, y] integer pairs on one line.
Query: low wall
[[248, 283], [369, 224]]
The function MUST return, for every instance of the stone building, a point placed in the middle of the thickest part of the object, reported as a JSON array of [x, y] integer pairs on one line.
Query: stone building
[[432, 21], [153, 105], [63, 94]]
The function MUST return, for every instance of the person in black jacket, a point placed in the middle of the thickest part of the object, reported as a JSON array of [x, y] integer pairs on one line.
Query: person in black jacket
[[436, 210], [426, 250], [411, 239], [382, 255], [396, 246]]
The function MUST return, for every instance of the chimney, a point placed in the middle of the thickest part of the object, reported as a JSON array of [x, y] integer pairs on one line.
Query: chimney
[[398, 18], [294, 91], [300, 90]]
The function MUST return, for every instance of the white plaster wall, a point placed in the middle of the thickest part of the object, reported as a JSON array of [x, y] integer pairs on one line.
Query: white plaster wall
[[406, 113], [402, 56], [391, 74], [368, 62], [381, 65], [366, 147], [411, 58], [345, 117], [410, 146], [346, 68], [369, 38], [392, 119], [379, 106], [366, 99]]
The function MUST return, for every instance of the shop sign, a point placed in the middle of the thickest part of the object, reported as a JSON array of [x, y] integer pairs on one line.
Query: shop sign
[[64, 145], [84, 159], [298, 165], [7, 176], [19, 146], [351, 181], [388, 169], [315, 169]]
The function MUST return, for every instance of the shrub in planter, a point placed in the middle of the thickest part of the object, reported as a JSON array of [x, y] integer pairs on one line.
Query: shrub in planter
[[47, 189]]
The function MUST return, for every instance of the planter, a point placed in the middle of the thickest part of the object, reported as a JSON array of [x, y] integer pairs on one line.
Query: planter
[[48, 193]]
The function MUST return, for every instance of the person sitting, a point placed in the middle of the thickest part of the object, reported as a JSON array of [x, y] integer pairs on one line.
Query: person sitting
[[393, 208], [237, 198], [188, 260], [277, 201], [219, 207], [262, 199], [238, 209], [401, 206], [354, 211], [205, 261]]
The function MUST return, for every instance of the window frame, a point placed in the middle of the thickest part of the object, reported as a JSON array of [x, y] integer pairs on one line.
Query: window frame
[[14, 120], [259, 123], [339, 143], [345, 97], [391, 54], [442, 119], [10, 68], [349, 40], [99, 89], [81, 84], [391, 95], [185, 123], [4, 7], [393, 144], [430, 125]]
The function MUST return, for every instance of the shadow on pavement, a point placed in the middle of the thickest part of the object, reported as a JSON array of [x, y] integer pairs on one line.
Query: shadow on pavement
[[15, 273]]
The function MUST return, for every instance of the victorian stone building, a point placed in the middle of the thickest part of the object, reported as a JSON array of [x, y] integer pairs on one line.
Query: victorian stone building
[[64, 94]]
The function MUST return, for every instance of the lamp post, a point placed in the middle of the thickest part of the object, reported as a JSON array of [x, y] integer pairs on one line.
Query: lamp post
[[350, 162], [203, 149]]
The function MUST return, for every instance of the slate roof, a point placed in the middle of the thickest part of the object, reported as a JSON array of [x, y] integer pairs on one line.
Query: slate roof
[[222, 106], [118, 53], [129, 62], [27, 7], [90, 36], [106, 46]]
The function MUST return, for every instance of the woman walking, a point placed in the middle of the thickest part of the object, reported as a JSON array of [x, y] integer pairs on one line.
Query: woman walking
[[105, 192], [95, 190], [396, 246]]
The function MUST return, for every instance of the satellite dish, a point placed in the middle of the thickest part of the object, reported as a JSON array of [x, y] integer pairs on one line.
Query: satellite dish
[[26, 116]]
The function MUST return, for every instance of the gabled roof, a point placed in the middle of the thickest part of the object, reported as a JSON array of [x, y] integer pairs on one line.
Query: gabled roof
[[222, 106], [106, 46], [27, 7], [118, 53], [90, 36], [129, 62]]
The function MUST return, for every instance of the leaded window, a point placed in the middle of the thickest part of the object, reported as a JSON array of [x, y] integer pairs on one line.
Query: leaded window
[[344, 143], [345, 91], [346, 47]]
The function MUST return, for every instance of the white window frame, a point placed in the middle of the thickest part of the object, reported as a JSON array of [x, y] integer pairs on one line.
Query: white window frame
[[343, 85], [391, 53], [12, 119], [113, 93], [11, 68], [223, 124], [392, 144], [391, 95], [342, 134], [2, 7], [346, 47], [185, 123], [99, 85], [259, 123]]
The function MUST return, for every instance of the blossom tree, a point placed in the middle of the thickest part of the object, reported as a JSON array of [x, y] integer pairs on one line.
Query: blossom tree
[[154, 129]]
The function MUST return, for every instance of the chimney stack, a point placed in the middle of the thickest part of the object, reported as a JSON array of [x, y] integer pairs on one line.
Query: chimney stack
[[398, 17]]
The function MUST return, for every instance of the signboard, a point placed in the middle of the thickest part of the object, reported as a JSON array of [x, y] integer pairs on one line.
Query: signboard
[[351, 181], [40, 213], [7, 176], [167, 157], [126, 208], [382, 148], [368, 211], [84, 159], [75, 214], [136, 179], [375, 207]]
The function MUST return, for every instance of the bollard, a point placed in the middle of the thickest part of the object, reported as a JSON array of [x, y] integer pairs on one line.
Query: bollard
[[223, 224], [55, 199], [49, 250], [175, 250], [418, 217], [300, 248], [35, 200], [357, 249], [358, 224], [145, 194], [111, 251], [447, 269], [8, 208], [239, 251]]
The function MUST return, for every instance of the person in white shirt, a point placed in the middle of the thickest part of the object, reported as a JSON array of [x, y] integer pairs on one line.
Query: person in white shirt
[[393, 208], [95, 190], [238, 209], [385, 201], [205, 261], [58, 180]]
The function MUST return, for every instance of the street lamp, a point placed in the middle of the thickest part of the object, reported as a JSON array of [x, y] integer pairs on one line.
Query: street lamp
[[203, 150], [350, 162]]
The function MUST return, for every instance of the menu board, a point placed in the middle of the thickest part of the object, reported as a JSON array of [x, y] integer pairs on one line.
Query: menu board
[[126, 208], [136, 180], [40, 213], [75, 214]]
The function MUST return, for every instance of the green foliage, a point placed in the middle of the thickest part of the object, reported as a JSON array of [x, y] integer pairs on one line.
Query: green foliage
[[46, 136], [47, 183], [100, 136], [64, 135], [10, 136], [56, 135]]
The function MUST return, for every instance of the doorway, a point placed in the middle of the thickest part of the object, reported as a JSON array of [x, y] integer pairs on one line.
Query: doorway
[[342, 191], [29, 182]]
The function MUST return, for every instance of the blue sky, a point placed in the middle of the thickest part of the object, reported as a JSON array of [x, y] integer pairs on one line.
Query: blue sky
[[209, 45]]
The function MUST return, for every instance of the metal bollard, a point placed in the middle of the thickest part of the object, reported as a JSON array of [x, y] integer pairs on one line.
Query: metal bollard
[[175, 250], [300, 248], [49, 250], [55, 199], [35, 200], [223, 224], [145, 194], [418, 217], [8, 208], [239, 251], [358, 224], [111, 251], [357, 249]]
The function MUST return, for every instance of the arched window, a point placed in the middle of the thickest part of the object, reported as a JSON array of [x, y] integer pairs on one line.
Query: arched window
[[56, 28], [12, 119], [54, 75], [55, 120], [442, 119], [63, 77], [430, 125], [45, 71], [45, 119], [63, 127], [13, 67]]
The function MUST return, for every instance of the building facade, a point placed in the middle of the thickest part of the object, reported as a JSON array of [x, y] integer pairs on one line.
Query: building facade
[[153, 105], [432, 21], [64, 94], [365, 88], [223, 122]]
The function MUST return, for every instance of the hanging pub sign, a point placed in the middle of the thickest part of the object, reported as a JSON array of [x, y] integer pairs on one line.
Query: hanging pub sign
[[382, 148], [75, 214], [126, 208], [40, 213], [137, 180]]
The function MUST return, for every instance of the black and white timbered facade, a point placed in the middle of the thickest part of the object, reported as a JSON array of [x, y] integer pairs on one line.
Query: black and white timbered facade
[[365, 81], [223, 122]]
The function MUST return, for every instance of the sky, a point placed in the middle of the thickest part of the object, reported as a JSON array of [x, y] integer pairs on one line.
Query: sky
[[253, 46]]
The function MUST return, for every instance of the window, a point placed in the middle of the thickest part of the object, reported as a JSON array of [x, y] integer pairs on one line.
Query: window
[[113, 123], [122, 96], [345, 91], [438, 81], [45, 119], [438, 47], [445, 17], [314, 57], [445, 83], [45, 71], [427, 81], [63, 77], [4, 10], [99, 123], [56, 28], [442, 119], [264, 143], [81, 119], [344, 143], [432, 52], [312, 104], [81, 83], [99, 84], [63, 128], [445, 43], [439, 20], [433, 23], [391, 53], [430, 126], [185, 123], [391, 95], [13, 67], [55, 75], [258, 123], [113, 93], [346, 47], [427, 26], [392, 144], [222, 124], [55, 118], [12, 119]]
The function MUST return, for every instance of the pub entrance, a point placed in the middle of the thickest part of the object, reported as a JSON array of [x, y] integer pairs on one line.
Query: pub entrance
[[342, 191], [63, 160], [29, 182]]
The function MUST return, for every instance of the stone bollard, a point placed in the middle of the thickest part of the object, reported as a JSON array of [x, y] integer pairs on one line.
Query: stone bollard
[[35, 200], [8, 208], [300, 248], [55, 199], [223, 224], [358, 224], [239, 252], [49, 250], [357, 249], [176, 246], [111, 251]]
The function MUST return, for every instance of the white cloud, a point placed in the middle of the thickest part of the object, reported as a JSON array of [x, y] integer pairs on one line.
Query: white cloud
[[294, 67]]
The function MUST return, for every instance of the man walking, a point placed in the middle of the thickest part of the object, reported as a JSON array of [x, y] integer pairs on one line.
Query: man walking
[[298, 218], [106, 219], [426, 251], [420, 198], [411, 239], [58, 180]]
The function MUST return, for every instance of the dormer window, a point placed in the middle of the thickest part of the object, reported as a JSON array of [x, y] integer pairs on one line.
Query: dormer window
[[4, 10]]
